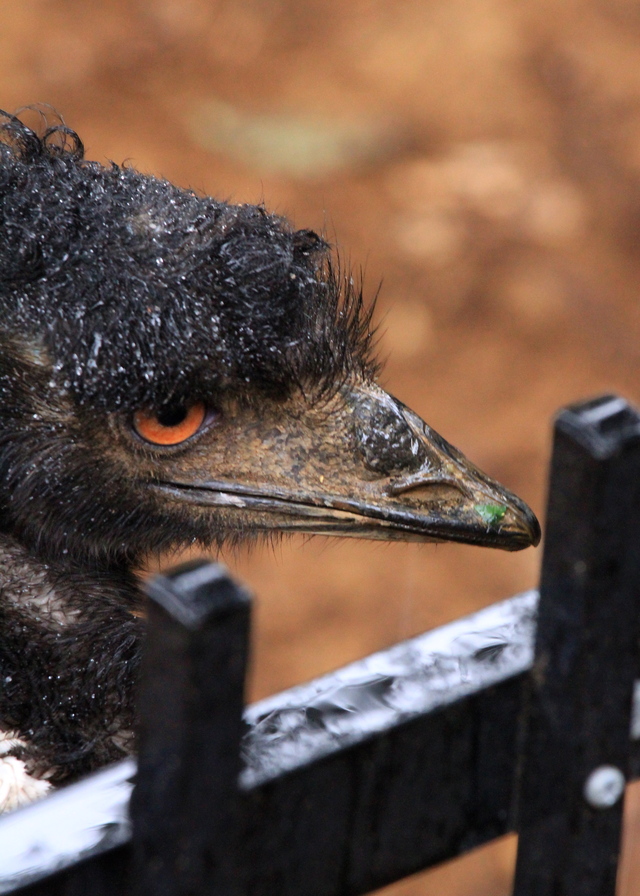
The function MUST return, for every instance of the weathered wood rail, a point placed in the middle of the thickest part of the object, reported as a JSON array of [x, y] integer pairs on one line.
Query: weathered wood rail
[[517, 718]]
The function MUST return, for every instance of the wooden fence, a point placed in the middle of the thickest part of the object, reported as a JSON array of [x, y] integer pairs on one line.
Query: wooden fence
[[517, 718]]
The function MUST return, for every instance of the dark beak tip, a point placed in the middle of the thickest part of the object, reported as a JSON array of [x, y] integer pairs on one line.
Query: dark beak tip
[[530, 524], [529, 532], [536, 532]]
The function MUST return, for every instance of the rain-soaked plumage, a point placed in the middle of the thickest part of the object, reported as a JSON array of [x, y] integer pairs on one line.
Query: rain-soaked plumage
[[174, 370]]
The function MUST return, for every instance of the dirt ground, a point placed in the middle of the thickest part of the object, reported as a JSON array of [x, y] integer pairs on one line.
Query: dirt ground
[[481, 159]]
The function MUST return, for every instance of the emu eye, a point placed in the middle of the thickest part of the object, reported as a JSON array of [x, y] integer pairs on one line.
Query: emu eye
[[170, 426]]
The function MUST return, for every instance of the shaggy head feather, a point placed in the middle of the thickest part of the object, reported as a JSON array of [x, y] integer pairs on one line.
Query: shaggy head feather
[[141, 293]]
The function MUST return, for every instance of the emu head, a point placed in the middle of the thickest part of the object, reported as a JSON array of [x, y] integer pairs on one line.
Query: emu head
[[175, 369]]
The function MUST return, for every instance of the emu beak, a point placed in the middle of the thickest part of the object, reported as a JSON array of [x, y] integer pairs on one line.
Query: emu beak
[[365, 466]]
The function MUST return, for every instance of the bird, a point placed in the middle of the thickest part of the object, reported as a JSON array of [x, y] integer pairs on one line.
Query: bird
[[175, 371]]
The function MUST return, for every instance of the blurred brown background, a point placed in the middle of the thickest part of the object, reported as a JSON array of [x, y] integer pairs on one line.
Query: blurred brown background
[[481, 158]]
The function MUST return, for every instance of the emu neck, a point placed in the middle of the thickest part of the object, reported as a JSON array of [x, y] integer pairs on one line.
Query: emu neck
[[69, 654]]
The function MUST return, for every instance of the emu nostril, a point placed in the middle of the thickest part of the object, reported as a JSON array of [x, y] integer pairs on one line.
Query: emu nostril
[[384, 439]]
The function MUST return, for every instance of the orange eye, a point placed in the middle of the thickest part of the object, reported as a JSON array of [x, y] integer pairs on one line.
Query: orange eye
[[169, 427]]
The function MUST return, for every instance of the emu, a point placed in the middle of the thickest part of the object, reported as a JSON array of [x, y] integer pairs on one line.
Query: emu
[[174, 371]]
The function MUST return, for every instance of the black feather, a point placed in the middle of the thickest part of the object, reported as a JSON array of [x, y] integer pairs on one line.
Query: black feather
[[141, 292]]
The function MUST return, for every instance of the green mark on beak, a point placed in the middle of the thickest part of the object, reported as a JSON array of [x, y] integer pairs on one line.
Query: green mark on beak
[[491, 513]]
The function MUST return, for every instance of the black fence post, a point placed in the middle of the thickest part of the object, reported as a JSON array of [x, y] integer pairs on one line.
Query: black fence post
[[576, 751], [185, 806]]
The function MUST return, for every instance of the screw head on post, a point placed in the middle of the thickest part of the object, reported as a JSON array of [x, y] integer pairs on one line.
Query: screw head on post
[[604, 787]]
